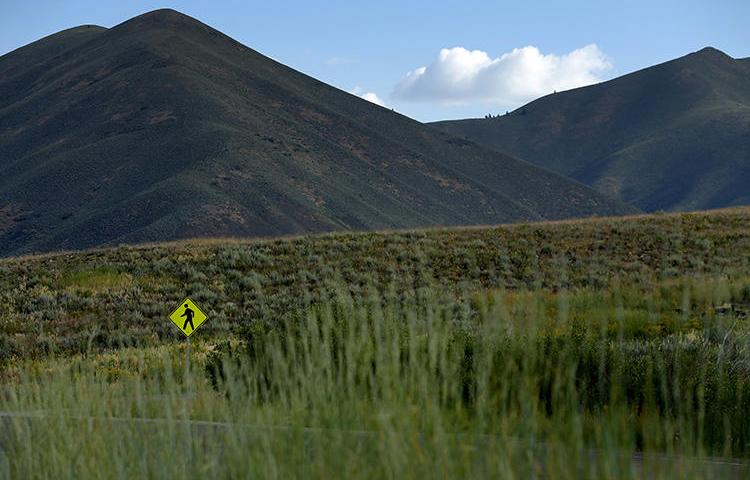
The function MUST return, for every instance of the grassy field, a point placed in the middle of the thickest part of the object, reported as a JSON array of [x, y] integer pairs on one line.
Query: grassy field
[[610, 348]]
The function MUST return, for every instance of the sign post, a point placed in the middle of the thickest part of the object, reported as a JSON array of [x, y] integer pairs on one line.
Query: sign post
[[187, 317]]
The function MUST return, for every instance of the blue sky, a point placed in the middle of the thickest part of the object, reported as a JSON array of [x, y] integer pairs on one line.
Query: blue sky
[[474, 52]]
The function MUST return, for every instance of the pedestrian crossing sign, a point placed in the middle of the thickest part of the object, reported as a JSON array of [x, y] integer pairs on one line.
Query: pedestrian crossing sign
[[188, 317]]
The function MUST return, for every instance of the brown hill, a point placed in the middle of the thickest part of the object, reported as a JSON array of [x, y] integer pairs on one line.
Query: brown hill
[[164, 128]]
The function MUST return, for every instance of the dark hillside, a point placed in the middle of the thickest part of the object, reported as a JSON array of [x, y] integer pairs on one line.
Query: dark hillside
[[164, 128], [675, 136], [45, 49]]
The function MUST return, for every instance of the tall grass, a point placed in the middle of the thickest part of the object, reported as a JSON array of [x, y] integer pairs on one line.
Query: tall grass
[[413, 383]]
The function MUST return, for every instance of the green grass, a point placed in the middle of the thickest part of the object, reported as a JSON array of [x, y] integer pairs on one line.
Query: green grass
[[129, 291], [411, 384], [96, 279], [533, 351]]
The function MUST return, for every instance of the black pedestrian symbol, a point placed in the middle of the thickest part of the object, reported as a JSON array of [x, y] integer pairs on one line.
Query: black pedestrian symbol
[[187, 317], [189, 314]]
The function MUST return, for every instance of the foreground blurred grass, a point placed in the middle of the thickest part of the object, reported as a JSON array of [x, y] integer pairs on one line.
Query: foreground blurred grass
[[408, 385], [555, 351]]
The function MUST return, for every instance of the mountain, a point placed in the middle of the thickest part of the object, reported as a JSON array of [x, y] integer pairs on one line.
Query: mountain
[[675, 136], [164, 128]]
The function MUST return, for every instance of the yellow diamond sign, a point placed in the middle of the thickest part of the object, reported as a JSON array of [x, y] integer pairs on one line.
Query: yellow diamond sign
[[188, 317]]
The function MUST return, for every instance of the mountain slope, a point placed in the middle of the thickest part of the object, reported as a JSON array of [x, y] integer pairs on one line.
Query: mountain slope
[[164, 128], [675, 136]]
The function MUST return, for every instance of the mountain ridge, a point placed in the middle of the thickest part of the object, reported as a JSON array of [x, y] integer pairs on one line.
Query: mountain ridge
[[673, 136], [163, 128]]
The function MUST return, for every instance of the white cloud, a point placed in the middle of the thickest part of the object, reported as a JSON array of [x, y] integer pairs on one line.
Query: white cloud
[[462, 77], [369, 96]]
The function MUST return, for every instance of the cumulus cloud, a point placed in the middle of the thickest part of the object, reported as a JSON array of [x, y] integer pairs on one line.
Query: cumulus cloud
[[369, 96], [461, 77]]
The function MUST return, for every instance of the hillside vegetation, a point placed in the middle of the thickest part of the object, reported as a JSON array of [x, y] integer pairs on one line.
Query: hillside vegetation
[[675, 136], [73, 302], [608, 348], [162, 128]]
